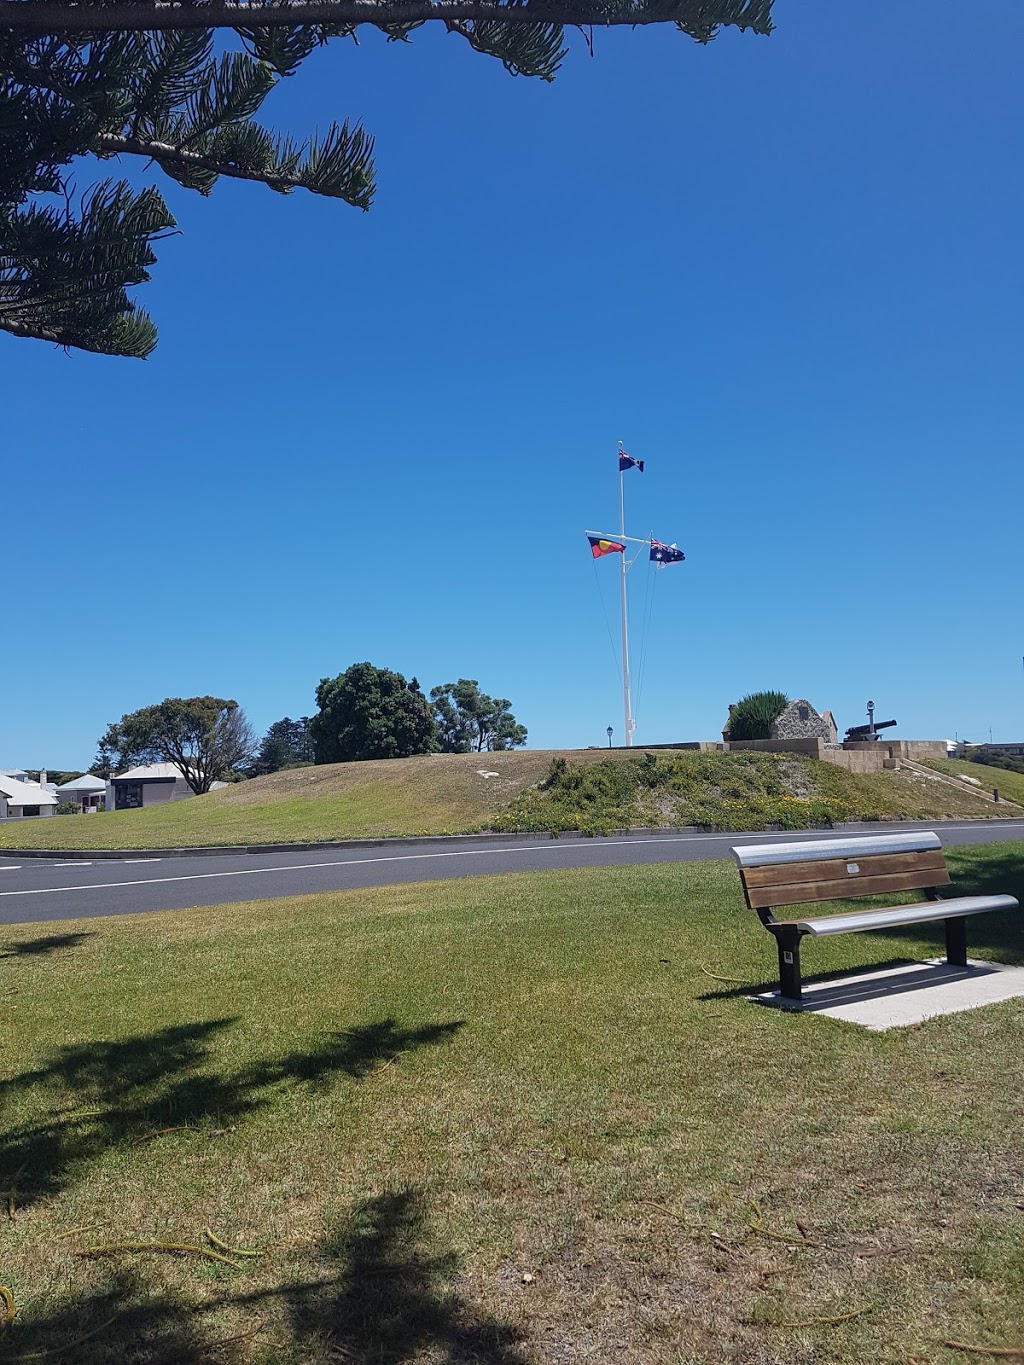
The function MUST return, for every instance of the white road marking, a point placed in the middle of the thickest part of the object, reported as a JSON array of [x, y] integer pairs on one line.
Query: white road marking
[[72, 862], [126, 861], [15, 867], [553, 845]]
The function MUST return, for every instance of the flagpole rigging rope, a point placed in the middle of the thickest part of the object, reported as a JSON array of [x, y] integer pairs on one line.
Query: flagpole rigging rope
[[607, 622], [646, 622]]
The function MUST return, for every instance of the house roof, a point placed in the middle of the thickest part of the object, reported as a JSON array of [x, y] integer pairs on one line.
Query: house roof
[[13, 772], [25, 793], [149, 771], [85, 783]]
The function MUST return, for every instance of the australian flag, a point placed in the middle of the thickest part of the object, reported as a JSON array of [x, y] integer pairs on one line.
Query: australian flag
[[665, 554], [627, 462]]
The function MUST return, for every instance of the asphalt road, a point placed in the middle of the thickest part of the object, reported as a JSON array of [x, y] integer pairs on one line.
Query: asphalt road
[[37, 890]]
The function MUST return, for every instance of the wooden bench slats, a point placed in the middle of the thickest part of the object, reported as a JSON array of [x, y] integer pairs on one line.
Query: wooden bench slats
[[846, 869], [850, 887]]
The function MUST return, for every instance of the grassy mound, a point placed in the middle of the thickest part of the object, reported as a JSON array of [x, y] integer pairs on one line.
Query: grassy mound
[[435, 794], [1009, 784], [589, 790], [741, 791], [514, 1121]]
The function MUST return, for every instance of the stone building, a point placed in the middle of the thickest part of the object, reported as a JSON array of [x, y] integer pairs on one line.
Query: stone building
[[801, 721]]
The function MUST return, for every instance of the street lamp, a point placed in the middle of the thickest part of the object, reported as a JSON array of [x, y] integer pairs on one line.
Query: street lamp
[[608, 732]]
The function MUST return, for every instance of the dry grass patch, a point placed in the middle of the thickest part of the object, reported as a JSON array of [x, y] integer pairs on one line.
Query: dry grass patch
[[431, 794], [510, 1121]]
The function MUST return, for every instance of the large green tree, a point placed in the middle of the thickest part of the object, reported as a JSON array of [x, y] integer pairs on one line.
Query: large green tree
[[141, 79], [205, 738], [469, 721], [369, 712]]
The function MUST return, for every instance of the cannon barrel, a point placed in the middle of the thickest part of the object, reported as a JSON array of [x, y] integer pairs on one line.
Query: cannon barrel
[[866, 729]]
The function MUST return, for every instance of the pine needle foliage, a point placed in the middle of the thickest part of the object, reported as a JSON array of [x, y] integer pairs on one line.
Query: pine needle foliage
[[161, 92], [754, 715]]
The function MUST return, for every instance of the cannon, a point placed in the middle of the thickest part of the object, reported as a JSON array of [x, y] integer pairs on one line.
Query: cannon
[[857, 732]]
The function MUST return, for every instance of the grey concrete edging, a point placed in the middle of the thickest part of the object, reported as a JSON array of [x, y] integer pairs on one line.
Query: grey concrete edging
[[432, 840]]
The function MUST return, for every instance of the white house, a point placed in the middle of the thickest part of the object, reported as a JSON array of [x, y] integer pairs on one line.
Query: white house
[[87, 791], [21, 799]]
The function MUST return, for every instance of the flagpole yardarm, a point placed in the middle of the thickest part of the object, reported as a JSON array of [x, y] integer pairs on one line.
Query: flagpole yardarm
[[630, 540]]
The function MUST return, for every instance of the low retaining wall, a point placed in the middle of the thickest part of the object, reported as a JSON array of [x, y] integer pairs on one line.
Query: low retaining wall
[[813, 748]]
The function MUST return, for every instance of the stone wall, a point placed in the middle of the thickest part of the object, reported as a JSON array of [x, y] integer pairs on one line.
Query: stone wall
[[872, 758], [813, 748], [791, 725]]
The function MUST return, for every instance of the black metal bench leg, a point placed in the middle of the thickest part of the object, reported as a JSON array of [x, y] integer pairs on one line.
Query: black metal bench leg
[[789, 964], [956, 941]]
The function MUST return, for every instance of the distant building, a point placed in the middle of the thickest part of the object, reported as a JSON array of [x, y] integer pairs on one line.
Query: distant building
[[21, 799], [1012, 749], [801, 721], [86, 791], [155, 784]]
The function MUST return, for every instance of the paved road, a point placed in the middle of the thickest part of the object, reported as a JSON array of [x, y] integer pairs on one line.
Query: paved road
[[37, 890]]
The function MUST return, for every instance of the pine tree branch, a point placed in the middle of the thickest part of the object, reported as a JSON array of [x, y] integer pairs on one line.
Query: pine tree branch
[[58, 335], [164, 152], [698, 17]]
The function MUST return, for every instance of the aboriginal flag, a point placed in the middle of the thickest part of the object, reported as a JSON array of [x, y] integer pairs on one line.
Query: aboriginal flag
[[665, 554], [599, 547], [627, 462]]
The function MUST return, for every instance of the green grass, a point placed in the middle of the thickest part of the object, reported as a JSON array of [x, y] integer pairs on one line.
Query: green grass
[[511, 1121], [1010, 784], [443, 794]]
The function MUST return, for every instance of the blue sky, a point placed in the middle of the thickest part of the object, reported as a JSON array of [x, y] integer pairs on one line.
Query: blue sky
[[786, 272]]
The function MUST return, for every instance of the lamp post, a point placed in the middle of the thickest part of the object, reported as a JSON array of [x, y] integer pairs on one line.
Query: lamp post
[[608, 732], [871, 720]]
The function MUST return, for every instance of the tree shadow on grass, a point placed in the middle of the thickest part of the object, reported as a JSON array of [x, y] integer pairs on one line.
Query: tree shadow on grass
[[103, 1095], [128, 1320], [355, 1052], [123, 1320], [385, 1296], [386, 1299], [44, 947]]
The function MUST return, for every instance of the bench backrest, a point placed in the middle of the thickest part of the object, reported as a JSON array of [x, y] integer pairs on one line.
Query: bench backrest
[[775, 875]]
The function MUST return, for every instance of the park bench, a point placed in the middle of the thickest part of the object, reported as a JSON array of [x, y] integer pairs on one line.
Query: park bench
[[815, 870]]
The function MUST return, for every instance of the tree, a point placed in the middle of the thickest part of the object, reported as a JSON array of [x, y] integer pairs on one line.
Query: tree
[[468, 720], [55, 775], [105, 763], [753, 716], [139, 78], [287, 744], [369, 712], [205, 738]]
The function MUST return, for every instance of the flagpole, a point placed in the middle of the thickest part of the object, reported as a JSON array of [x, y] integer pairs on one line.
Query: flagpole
[[625, 624]]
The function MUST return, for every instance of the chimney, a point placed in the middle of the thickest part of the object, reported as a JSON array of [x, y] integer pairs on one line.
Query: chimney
[[42, 777]]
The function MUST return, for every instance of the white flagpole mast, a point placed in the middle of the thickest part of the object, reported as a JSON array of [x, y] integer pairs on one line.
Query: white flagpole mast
[[625, 624]]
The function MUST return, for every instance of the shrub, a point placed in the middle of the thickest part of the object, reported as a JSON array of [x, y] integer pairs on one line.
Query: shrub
[[754, 715]]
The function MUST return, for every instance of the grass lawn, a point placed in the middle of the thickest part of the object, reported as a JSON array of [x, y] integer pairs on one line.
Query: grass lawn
[[1010, 784], [446, 793], [507, 1121]]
